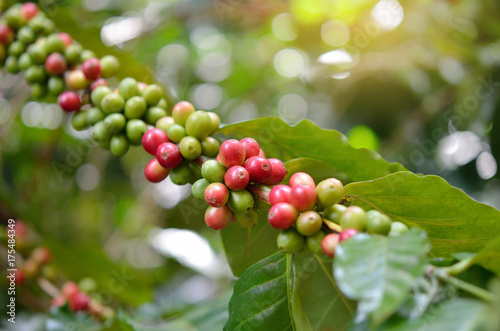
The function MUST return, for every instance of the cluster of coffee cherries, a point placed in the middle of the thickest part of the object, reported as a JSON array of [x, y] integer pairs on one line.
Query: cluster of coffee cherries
[[179, 144], [239, 166], [36, 263]]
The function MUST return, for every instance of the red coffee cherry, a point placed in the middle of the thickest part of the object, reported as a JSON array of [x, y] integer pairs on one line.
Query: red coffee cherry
[[6, 35], [20, 277], [58, 301], [152, 139], [28, 11], [279, 193], [91, 68], [252, 147], [218, 218], [347, 233], [261, 153], [282, 216], [236, 178], [277, 174], [155, 172], [79, 302], [303, 197], [169, 155], [69, 101], [41, 255], [259, 169], [69, 289], [55, 64], [217, 158], [328, 244], [216, 194], [99, 82], [301, 178], [232, 153], [66, 38]]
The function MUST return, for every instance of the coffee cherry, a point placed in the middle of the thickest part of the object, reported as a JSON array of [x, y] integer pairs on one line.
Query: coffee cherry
[[176, 132], [152, 94], [334, 212], [128, 88], [94, 115], [112, 103], [79, 302], [248, 220], [38, 91], [13, 17], [236, 178], [181, 112], [76, 80], [290, 241], [153, 114], [69, 101], [100, 134], [79, 121], [34, 74], [279, 193], [190, 147], [252, 147], [99, 82], [198, 125], [215, 122], [397, 228], [218, 218], [11, 65], [240, 202], [155, 172], [303, 197], [28, 11], [301, 178], [377, 223], [181, 175], [41, 255], [54, 44], [66, 38], [26, 35], [16, 48], [195, 172], [213, 171], [314, 242], [55, 85], [114, 123], [199, 187], [72, 53], [328, 244], [91, 68], [152, 139], [135, 107], [347, 233], [119, 145], [86, 54], [134, 130], [168, 155], [19, 277], [69, 289], [109, 66], [308, 223], [216, 194], [58, 301], [164, 123], [210, 146], [98, 94], [329, 191], [282, 215], [259, 168], [278, 172], [162, 103], [6, 35], [353, 217]]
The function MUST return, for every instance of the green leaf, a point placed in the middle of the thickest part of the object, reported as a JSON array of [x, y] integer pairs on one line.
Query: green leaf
[[489, 257], [63, 319], [453, 221], [265, 298], [306, 139], [457, 315], [317, 169], [323, 303], [244, 247], [380, 271]]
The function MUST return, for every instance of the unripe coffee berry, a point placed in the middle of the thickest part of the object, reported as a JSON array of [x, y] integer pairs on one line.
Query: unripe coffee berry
[[55, 64], [236, 178], [216, 195], [301, 178], [279, 193], [135, 107], [278, 172], [152, 94], [91, 68], [176, 132], [240, 202], [259, 169], [353, 217], [199, 187], [181, 175], [112, 103], [153, 114], [328, 244], [398, 228], [128, 88], [98, 94], [329, 191], [248, 220], [215, 122], [119, 145], [308, 223], [181, 112], [198, 125], [290, 241], [210, 146], [232, 153], [114, 123], [134, 131], [334, 212], [303, 197], [282, 216], [213, 171], [152, 139], [314, 242], [218, 218], [168, 155], [155, 172], [76, 80], [164, 123], [252, 147], [347, 233], [190, 147], [109, 66], [377, 223], [69, 101]]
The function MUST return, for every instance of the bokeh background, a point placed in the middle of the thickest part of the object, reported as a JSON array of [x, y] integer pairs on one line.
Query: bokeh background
[[417, 81]]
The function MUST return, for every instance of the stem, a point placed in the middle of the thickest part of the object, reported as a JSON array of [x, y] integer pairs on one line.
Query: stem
[[48, 287], [459, 267], [260, 192], [463, 285]]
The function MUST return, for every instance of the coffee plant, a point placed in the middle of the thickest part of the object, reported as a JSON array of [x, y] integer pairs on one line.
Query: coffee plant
[[320, 235]]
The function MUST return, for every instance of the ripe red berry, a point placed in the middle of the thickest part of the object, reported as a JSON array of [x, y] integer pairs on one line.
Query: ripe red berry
[[79, 302], [99, 82], [303, 197], [232, 153], [91, 68], [277, 174], [28, 11], [328, 244], [217, 158], [6, 35], [252, 147], [279, 193], [55, 64], [236, 178], [41, 255], [69, 101], [347, 233], [301, 178], [66, 38], [152, 139], [261, 153], [58, 301], [259, 169], [218, 218], [155, 172], [169, 155], [282, 215], [20, 277], [216, 194], [69, 289]]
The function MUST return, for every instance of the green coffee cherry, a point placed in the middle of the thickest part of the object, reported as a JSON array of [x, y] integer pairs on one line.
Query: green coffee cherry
[[329, 192], [198, 125], [109, 66], [119, 145], [128, 88], [190, 148], [100, 134], [333, 213], [115, 123], [248, 220], [16, 48], [87, 285], [98, 94], [26, 35], [180, 175], [86, 54], [153, 114], [54, 44], [290, 241], [176, 132], [308, 223], [72, 53], [56, 85], [213, 171], [112, 103], [164, 123], [135, 107], [353, 217], [79, 120], [215, 122], [162, 103], [397, 228], [134, 130], [210, 146], [24, 61], [199, 187], [94, 115], [11, 65], [152, 94], [38, 91], [314, 242], [195, 172], [37, 53], [377, 223], [240, 202], [34, 74]]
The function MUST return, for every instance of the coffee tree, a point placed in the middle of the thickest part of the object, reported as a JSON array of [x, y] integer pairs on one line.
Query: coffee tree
[[320, 235]]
